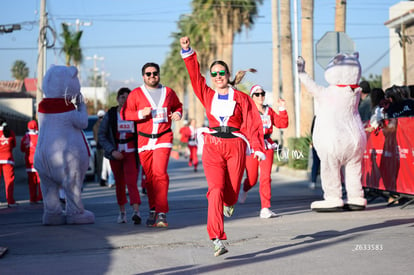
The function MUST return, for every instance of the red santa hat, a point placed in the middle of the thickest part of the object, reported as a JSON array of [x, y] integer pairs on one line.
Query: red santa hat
[[255, 88], [32, 125]]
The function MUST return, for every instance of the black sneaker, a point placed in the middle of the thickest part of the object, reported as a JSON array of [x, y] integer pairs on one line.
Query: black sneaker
[[161, 220], [151, 218], [136, 218]]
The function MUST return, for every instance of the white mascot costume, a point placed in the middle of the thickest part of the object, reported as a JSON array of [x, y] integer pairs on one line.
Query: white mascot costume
[[338, 135], [62, 155]]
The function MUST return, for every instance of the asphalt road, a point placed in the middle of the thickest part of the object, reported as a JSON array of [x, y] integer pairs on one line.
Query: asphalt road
[[379, 240]]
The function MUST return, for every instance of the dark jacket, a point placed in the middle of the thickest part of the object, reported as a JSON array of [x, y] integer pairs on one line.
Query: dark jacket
[[107, 133]]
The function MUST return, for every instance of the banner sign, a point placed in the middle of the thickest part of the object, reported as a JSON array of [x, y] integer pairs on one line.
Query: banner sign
[[388, 162]]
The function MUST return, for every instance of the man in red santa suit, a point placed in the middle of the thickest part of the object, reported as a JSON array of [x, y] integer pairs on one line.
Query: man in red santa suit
[[235, 128], [154, 107], [7, 143], [28, 146]]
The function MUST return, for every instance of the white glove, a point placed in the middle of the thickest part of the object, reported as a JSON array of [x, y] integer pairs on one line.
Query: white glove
[[274, 146], [301, 64], [259, 155]]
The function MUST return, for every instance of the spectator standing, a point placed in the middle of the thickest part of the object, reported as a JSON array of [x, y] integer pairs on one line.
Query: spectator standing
[[107, 175], [99, 149], [377, 111], [28, 147], [400, 105], [364, 107], [316, 162], [7, 143], [153, 107], [119, 140], [234, 128], [269, 120]]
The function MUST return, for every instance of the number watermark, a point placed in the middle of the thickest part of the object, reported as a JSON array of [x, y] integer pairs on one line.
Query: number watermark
[[368, 247]]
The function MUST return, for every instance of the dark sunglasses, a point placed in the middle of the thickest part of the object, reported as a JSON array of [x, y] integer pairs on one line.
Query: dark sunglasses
[[259, 94], [153, 73], [221, 73]]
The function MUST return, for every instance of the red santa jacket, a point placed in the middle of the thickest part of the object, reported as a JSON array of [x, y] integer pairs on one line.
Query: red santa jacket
[[269, 119], [28, 147], [245, 116], [185, 133], [6, 147], [154, 131]]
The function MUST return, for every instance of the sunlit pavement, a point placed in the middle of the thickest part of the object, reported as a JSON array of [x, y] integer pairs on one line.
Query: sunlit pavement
[[298, 241]]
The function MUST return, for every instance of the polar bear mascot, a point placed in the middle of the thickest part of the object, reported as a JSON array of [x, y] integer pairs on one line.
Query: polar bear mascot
[[338, 134], [62, 154]]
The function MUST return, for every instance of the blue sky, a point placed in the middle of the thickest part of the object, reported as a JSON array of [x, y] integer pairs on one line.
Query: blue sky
[[129, 33]]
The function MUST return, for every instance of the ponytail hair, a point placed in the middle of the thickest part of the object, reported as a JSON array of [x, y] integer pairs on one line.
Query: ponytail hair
[[239, 75], [6, 129]]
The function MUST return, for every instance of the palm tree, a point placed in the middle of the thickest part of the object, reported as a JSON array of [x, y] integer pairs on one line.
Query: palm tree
[[229, 18], [71, 46], [276, 56], [287, 67], [307, 108], [173, 66], [19, 70]]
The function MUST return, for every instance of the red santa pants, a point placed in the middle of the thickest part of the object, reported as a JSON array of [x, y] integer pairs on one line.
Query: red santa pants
[[34, 186], [126, 175], [8, 173], [252, 171], [224, 162], [193, 156], [154, 164]]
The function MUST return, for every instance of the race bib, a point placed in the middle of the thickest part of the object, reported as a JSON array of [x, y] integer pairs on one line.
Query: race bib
[[159, 115], [267, 123], [125, 126], [223, 108]]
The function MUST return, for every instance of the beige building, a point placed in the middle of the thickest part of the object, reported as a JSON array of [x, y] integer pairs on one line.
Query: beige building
[[401, 26]]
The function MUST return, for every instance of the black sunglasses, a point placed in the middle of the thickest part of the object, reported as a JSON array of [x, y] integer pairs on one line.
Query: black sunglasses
[[259, 94], [221, 73], [153, 73]]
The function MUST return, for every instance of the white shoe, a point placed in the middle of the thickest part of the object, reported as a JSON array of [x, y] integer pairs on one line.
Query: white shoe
[[122, 217], [312, 185], [228, 210], [242, 196], [266, 213], [332, 205]]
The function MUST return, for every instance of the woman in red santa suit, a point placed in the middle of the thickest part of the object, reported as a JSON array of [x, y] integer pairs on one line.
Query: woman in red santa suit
[[7, 143], [234, 128], [28, 147], [270, 119], [153, 107], [119, 141]]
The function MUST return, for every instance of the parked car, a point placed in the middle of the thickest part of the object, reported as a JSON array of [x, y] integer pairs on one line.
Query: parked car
[[90, 174]]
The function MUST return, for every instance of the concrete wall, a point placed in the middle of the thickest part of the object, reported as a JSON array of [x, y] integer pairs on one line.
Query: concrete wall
[[396, 54]]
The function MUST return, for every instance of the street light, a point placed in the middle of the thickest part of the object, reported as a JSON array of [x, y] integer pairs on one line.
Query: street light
[[95, 70]]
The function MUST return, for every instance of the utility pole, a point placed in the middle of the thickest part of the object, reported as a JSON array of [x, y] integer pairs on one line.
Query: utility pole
[[41, 60], [340, 15], [95, 70], [404, 50]]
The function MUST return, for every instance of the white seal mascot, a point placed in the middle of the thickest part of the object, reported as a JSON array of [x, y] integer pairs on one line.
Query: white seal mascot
[[339, 137], [62, 154]]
